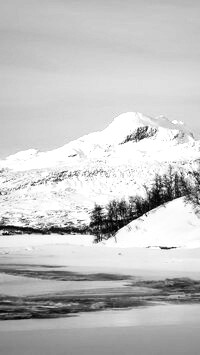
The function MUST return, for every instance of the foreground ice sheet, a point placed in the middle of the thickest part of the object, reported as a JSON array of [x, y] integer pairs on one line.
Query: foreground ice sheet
[[149, 331]]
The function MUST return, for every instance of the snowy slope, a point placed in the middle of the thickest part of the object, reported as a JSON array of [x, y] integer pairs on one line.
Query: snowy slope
[[62, 185], [172, 225]]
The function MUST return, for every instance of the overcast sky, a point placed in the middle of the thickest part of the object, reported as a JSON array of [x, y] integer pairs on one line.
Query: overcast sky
[[68, 67]]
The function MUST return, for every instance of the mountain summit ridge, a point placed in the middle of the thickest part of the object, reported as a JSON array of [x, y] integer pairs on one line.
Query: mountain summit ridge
[[121, 130]]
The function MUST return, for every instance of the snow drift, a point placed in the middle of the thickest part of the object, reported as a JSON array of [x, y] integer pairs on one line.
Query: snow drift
[[174, 224]]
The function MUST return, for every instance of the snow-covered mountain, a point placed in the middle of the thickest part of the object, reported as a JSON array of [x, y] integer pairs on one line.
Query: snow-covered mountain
[[152, 135], [58, 186]]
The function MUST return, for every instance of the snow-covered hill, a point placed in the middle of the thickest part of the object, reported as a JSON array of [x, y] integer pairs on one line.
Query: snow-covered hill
[[172, 225], [55, 187]]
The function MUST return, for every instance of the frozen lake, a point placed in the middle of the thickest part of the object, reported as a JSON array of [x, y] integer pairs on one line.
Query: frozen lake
[[157, 330]]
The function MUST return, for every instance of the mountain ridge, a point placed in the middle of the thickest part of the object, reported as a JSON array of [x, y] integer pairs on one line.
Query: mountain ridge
[[93, 144]]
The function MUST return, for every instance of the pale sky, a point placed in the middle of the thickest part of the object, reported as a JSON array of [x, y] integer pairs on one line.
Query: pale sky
[[68, 67]]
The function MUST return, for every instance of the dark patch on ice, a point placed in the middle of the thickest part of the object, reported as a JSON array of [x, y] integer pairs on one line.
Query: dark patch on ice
[[42, 272], [135, 293]]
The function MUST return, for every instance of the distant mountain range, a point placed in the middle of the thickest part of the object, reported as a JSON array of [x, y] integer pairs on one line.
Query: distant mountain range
[[57, 187]]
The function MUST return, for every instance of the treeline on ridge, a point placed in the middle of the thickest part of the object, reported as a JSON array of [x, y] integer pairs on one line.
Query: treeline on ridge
[[107, 220]]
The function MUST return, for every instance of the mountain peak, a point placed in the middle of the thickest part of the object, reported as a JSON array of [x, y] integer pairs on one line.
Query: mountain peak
[[137, 119], [126, 123], [145, 135]]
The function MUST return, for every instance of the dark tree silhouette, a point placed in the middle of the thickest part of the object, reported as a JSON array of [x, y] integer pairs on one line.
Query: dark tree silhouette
[[97, 221], [193, 190]]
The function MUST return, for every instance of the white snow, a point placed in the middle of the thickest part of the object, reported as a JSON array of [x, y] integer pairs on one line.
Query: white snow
[[23, 155], [29, 242], [172, 225]]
